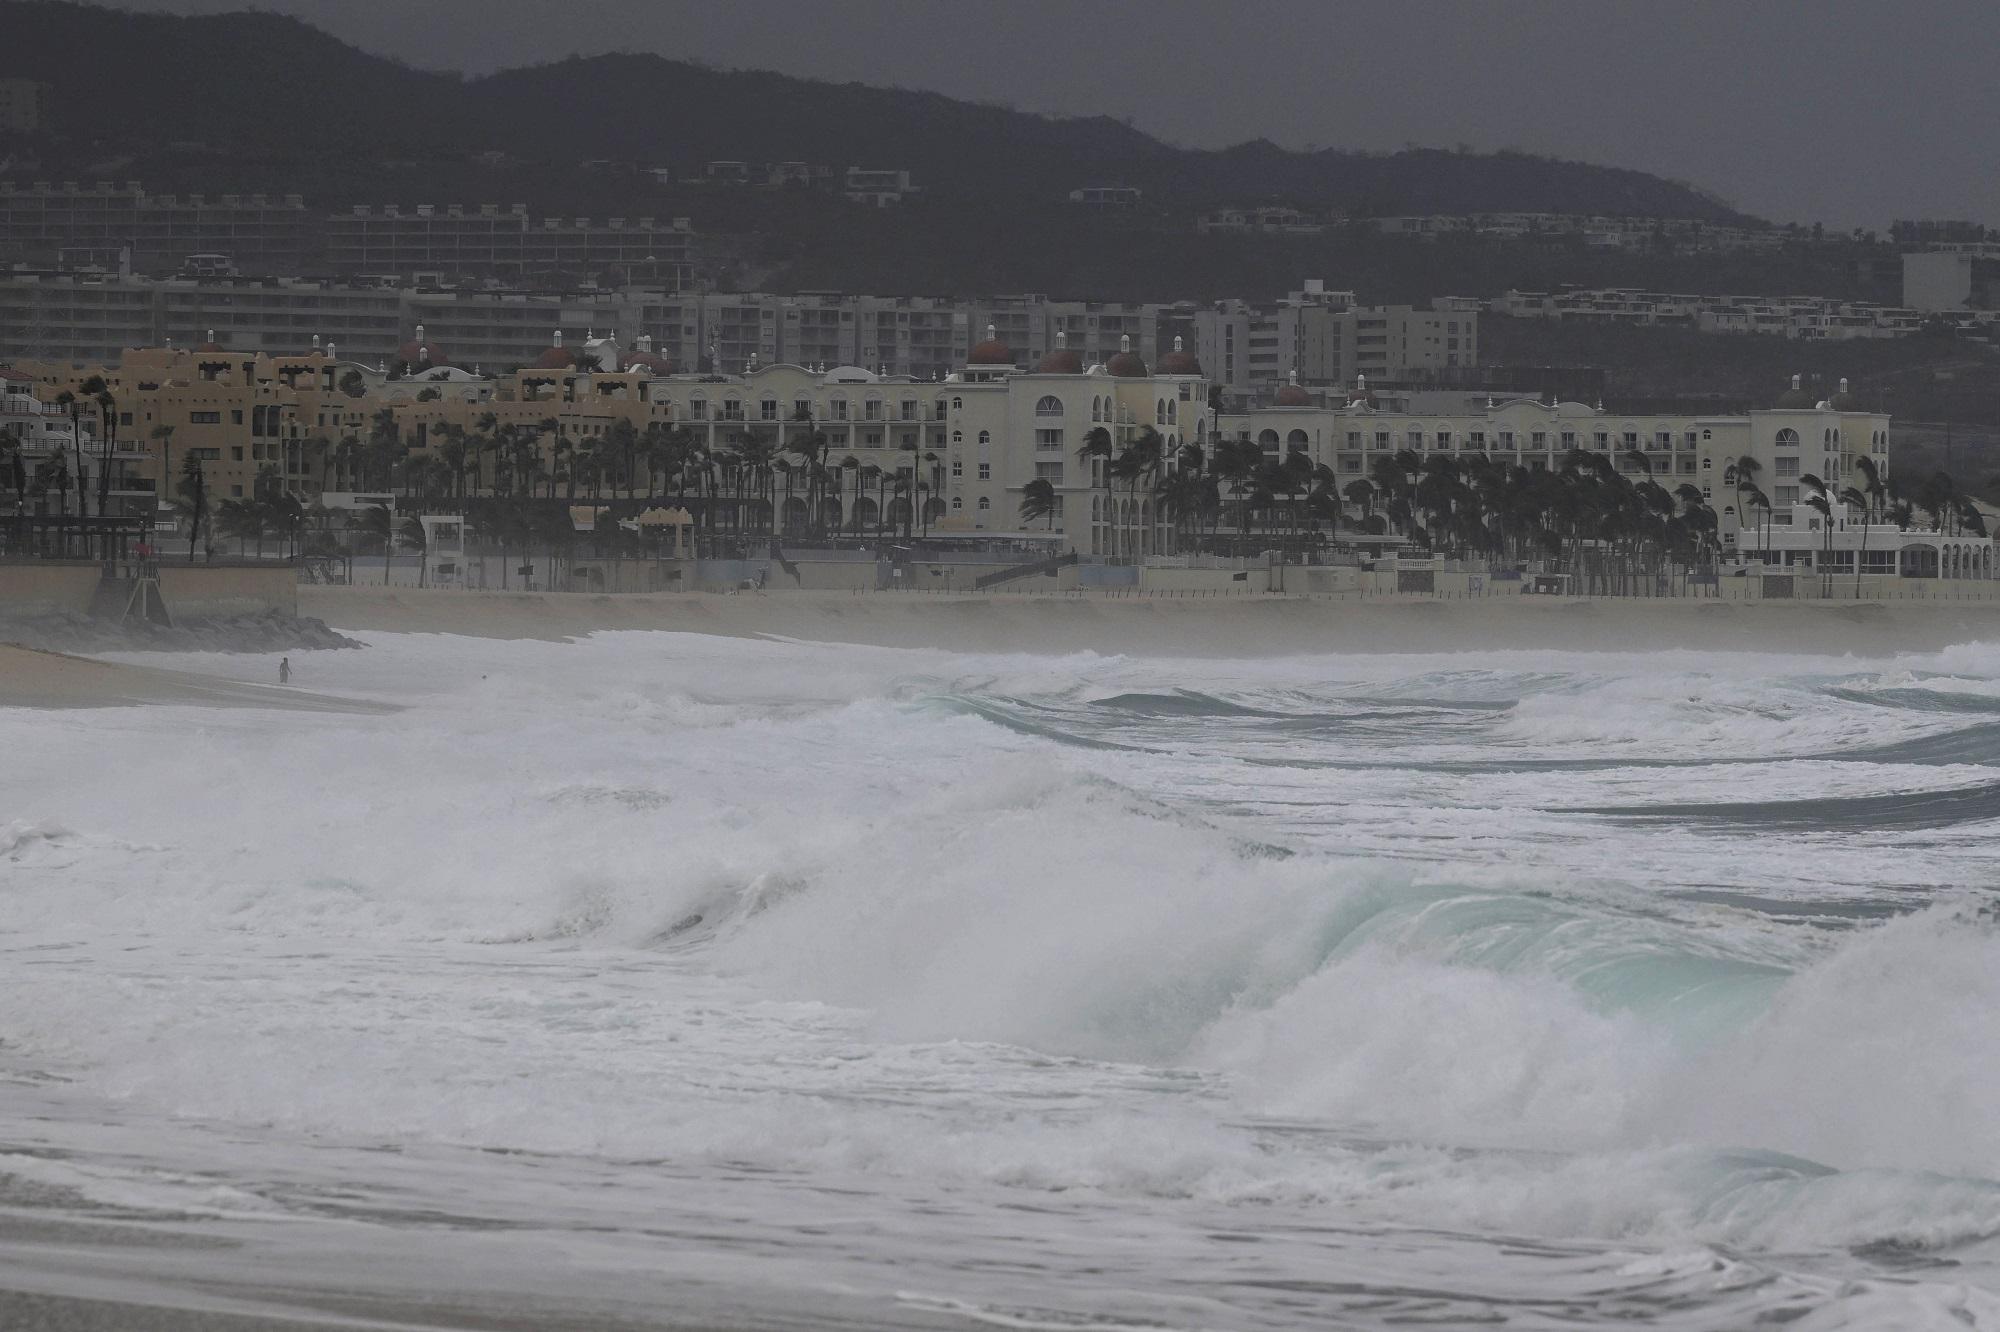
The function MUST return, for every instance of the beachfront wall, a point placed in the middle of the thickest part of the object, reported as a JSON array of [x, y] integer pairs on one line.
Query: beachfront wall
[[47, 587], [206, 591]]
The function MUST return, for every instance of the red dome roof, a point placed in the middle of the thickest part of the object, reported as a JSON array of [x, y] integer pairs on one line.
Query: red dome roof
[[991, 352], [1291, 395], [1061, 361], [1126, 365], [555, 358], [1179, 363], [659, 365], [422, 353]]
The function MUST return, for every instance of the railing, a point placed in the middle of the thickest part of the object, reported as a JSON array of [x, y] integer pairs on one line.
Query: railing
[[1048, 566]]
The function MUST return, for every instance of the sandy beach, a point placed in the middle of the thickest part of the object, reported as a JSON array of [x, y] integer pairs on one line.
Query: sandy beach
[[36, 679], [1247, 626]]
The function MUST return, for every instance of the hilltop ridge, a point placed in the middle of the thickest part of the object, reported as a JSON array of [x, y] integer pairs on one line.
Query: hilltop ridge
[[307, 112]]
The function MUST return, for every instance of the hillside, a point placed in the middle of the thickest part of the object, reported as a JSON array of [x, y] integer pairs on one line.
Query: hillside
[[277, 104]]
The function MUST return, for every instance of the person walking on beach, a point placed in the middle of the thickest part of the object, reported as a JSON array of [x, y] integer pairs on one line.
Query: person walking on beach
[[284, 670]]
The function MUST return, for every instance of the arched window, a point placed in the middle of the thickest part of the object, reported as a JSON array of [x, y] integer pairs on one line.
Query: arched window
[[938, 409], [1267, 440], [957, 501], [985, 438], [1096, 409], [958, 404], [958, 437], [1050, 405], [1170, 409], [1160, 411], [985, 503], [1788, 438], [1296, 441]]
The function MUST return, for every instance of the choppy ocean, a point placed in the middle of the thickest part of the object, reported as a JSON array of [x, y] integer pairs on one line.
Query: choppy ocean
[[712, 982]]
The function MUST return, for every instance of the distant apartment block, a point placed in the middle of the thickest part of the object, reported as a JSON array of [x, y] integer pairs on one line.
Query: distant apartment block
[[877, 188], [23, 106], [260, 233], [1106, 196], [1593, 231], [487, 240], [1965, 277], [1326, 337], [1802, 317], [1269, 221], [94, 317]]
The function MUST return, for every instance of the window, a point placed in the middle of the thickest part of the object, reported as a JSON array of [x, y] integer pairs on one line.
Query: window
[[1688, 441], [1048, 439], [767, 410], [1444, 439], [1051, 472], [1049, 406], [985, 503], [985, 438], [236, 453], [236, 492], [958, 404], [698, 409], [1788, 439], [840, 409], [1788, 495], [938, 412], [1538, 439], [909, 409], [236, 416], [1602, 439], [1381, 439], [1416, 440], [1476, 440], [1631, 439], [204, 418], [802, 409], [872, 409], [1354, 439], [957, 502], [1787, 467], [986, 471], [1506, 441], [957, 467], [1569, 439]]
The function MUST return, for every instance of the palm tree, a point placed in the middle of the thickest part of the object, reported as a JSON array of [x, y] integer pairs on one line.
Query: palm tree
[[378, 525], [1038, 501], [194, 498]]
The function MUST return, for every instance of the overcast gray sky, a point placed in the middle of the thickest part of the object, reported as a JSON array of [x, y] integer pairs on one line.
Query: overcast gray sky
[[1851, 112]]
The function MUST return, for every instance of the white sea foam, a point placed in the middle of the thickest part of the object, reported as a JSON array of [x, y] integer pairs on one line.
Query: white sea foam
[[736, 906]]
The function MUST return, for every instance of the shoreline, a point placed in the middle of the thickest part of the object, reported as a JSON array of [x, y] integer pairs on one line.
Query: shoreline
[[35, 678], [1249, 625]]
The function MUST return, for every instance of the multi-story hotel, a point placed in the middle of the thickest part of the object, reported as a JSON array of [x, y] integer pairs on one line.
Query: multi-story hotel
[[956, 456], [1774, 450]]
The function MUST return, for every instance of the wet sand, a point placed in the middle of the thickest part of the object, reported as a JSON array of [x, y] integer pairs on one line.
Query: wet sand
[[32, 678]]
